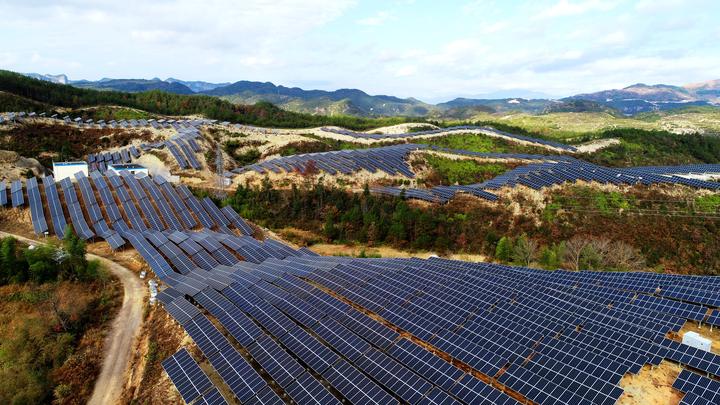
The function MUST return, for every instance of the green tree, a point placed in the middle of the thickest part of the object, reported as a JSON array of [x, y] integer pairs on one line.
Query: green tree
[[41, 263], [504, 249], [524, 251], [329, 229], [75, 264]]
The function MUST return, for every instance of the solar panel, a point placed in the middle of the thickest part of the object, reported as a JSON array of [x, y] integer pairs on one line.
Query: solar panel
[[186, 375], [238, 374], [266, 397], [182, 310], [3, 194], [214, 211], [80, 226], [211, 397], [16, 194], [308, 390], [355, 386], [37, 213], [56, 211], [277, 362]]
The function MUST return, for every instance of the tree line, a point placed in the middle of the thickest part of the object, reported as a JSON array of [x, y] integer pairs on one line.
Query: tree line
[[46, 263]]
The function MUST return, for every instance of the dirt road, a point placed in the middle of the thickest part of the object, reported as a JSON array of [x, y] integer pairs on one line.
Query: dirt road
[[125, 328]]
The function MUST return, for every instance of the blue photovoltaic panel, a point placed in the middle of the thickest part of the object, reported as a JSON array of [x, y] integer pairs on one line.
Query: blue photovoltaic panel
[[307, 390], [199, 211], [178, 205], [355, 386], [88, 196], [277, 362], [212, 397], [16, 194], [238, 374], [80, 227], [182, 310], [56, 211], [215, 212], [186, 375], [3, 194], [266, 397], [236, 220], [37, 213]]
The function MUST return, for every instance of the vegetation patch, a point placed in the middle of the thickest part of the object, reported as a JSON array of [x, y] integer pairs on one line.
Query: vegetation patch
[[109, 113], [295, 148], [644, 148], [53, 307], [447, 171], [480, 143]]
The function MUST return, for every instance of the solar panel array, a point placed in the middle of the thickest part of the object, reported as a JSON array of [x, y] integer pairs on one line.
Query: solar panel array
[[388, 159], [561, 171], [187, 375], [145, 205], [37, 213], [101, 161], [461, 129], [329, 329]]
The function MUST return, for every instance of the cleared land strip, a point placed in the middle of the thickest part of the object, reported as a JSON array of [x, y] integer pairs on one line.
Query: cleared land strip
[[125, 328]]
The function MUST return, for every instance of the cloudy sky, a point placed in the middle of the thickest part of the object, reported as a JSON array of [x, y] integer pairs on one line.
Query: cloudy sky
[[431, 50]]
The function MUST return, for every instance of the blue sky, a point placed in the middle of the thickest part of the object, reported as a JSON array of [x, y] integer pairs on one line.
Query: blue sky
[[431, 50]]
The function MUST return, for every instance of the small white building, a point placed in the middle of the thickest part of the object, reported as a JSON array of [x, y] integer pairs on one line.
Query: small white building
[[694, 339], [133, 168], [62, 170]]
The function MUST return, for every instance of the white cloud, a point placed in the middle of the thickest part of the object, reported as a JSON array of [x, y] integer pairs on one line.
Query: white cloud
[[432, 53], [565, 8], [406, 71], [378, 19]]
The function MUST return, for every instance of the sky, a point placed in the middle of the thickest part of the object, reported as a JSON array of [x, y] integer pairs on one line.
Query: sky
[[428, 49]]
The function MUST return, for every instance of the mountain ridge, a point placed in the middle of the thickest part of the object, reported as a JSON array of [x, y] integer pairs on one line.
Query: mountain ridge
[[630, 100]]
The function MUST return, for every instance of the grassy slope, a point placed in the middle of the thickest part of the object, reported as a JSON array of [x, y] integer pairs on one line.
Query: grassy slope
[[568, 126]]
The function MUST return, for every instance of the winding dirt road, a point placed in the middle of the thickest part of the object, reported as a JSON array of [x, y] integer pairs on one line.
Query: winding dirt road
[[125, 328]]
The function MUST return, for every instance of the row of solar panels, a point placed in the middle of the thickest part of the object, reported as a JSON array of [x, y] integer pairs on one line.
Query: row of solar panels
[[465, 128], [568, 170], [182, 146], [148, 204], [527, 329], [100, 161], [389, 159]]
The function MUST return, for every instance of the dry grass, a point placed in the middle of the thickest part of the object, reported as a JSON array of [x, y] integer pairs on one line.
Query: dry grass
[[651, 386]]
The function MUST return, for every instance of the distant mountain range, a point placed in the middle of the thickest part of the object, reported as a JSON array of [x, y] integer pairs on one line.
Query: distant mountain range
[[630, 100]]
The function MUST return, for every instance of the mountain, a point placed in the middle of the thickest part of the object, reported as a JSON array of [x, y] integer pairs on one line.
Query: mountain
[[631, 100], [61, 78], [197, 86], [641, 97], [533, 106], [134, 85], [343, 101]]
